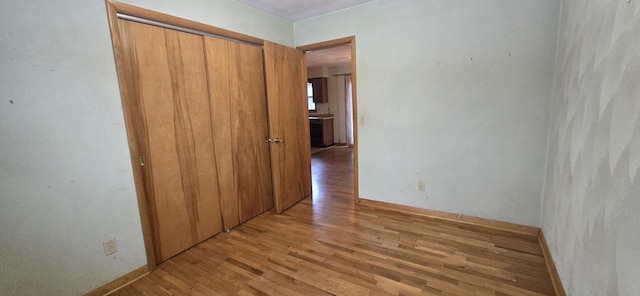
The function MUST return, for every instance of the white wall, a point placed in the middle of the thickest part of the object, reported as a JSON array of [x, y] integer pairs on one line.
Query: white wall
[[592, 196], [474, 130], [337, 100], [65, 175], [65, 178]]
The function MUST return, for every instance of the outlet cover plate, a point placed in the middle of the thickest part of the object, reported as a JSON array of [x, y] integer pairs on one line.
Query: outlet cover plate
[[110, 246]]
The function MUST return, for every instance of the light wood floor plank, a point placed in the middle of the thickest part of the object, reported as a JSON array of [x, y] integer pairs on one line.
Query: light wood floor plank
[[327, 245]]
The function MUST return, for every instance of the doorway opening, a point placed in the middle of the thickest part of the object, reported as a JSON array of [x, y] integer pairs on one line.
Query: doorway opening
[[334, 161]]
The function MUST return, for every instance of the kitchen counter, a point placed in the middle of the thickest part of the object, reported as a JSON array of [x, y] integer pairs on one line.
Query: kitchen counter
[[321, 128], [320, 116]]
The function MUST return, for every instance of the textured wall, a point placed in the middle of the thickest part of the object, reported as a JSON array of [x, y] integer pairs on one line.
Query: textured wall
[[455, 93], [591, 211]]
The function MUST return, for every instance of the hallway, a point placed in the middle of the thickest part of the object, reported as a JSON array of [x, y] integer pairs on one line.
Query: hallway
[[332, 177]]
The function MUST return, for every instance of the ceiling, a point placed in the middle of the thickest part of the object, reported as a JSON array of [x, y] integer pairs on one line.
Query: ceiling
[[329, 57], [295, 10]]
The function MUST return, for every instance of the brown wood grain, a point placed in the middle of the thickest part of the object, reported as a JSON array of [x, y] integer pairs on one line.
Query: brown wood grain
[[239, 111], [328, 44], [480, 222], [120, 282], [135, 130], [329, 246], [551, 266], [169, 76], [286, 77], [221, 92]]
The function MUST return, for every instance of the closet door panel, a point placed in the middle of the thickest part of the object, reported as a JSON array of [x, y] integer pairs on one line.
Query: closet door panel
[[238, 107], [286, 77], [252, 151], [220, 94], [180, 175]]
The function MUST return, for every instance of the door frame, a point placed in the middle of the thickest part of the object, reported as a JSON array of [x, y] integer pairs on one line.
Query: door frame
[[351, 40], [127, 93]]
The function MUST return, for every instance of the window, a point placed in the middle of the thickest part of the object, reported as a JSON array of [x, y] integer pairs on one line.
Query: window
[[312, 105]]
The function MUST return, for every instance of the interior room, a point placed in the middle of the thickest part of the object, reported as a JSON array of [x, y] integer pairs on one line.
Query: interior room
[[523, 113], [330, 90]]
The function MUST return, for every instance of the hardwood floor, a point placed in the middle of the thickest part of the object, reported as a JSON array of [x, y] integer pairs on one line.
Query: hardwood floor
[[329, 246]]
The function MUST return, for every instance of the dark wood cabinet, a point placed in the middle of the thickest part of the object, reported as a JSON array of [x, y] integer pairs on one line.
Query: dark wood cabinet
[[320, 90], [321, 129]]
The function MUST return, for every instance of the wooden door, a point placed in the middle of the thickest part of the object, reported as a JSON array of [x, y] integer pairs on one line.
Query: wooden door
[[286, 76], [238, 107], [166, 74]]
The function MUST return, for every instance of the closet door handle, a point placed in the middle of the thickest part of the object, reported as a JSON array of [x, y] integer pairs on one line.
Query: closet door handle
[[276, 140]]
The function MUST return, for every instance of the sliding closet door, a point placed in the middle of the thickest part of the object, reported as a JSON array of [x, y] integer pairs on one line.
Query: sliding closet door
[[169, 84], [286, 76], [238, 107]]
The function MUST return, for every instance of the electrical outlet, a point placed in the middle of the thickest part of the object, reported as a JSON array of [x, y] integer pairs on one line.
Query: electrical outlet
[[362, 119], [110, 246], [420, 185]]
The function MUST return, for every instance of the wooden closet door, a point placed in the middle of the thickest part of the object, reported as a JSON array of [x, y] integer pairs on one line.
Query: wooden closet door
[[238, 107], [286, 76], [167, 74]]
